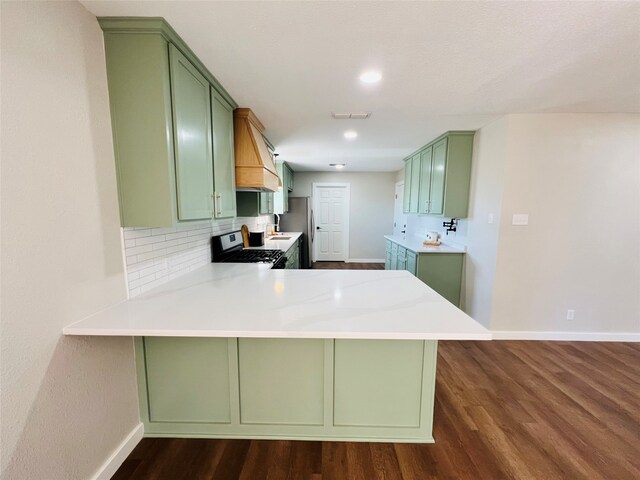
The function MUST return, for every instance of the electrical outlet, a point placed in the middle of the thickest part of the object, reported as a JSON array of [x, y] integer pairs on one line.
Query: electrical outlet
[[490, 218], [520, 219], [571, 314]]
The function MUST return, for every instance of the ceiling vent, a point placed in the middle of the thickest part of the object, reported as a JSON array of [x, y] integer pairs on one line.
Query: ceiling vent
[[351, 116]]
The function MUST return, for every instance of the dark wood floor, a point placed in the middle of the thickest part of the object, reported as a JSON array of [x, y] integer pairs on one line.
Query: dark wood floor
[[348, 266], [504, 410]]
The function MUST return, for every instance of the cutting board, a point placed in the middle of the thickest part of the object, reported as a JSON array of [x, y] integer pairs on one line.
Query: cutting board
[[245, 235]]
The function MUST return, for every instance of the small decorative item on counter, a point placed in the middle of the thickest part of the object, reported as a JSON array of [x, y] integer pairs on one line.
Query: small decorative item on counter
[[427, 243]]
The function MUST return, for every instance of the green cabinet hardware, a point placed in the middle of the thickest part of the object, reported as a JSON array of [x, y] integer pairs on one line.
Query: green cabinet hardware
[[444, 176], [171, 127], [281, 197], [441, 271], [192, 138], [224, 165], [304, 389], [254, 204]]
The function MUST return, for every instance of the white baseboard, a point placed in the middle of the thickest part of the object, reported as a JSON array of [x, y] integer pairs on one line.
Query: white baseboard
[[365, 260], [120, 454], [566, 336]]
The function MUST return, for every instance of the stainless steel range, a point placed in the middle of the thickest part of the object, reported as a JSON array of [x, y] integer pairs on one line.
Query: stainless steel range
[[228, 248]]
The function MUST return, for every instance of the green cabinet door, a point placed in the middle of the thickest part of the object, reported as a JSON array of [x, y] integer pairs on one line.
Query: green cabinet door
[[192, 138], [254, 204], [393, 264], [187, 379], [378, 383], [415, 184], [412, 262], [266, 203], [425, 180], [281, 381], [443, 273], [289, 178], [401, 263], [224, 166], [406, 199], [281, 197], [438, 165]]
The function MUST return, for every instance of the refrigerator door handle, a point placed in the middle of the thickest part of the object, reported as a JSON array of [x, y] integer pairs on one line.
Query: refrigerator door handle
[[313, 226]]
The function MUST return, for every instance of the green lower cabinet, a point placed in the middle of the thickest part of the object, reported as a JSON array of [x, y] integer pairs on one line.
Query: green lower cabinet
[[309, 389], [281, 381], [293, 257], [443, 273], [181, 384], [363, 372], [412, 262]]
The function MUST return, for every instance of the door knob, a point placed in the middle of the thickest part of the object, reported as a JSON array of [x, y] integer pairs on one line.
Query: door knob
[[317, 228]]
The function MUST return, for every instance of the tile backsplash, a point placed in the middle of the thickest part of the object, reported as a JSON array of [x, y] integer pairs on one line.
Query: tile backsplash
[[154, 256]]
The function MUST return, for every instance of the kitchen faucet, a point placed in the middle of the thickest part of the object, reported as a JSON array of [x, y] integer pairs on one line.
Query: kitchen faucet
[[277, 225]]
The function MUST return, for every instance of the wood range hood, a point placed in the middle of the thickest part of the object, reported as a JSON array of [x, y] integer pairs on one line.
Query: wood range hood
[[255, 170]]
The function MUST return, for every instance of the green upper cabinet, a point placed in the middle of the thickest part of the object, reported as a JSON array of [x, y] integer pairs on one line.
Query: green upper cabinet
[[281, 197], [192, 138], [411, 184], [407, 186], [444, 178], [224, 166], [172, 131], [254, 204], [425, 180]]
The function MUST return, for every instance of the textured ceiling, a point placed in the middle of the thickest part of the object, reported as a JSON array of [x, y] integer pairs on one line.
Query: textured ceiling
[[445, 65]]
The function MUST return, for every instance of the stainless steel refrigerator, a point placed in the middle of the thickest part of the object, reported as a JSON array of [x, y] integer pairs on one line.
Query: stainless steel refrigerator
[[300, 219]]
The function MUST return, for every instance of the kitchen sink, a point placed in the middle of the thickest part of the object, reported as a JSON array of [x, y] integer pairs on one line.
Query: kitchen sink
[[280, 238]]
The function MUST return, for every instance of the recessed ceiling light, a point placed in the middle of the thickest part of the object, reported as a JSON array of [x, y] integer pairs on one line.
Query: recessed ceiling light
[[350, 134], [337, 165], [370, 76]]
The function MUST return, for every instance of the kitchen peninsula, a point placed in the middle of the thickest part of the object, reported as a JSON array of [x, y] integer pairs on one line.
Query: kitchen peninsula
[[243, 351]]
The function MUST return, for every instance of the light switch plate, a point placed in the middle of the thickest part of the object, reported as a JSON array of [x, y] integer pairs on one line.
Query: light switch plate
[[520, 219]]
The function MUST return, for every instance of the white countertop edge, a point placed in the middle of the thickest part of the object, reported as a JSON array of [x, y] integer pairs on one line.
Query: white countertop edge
[[243, 334]]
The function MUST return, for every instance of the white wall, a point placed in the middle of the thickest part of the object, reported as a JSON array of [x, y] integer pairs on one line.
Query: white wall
[[480, 236], [371, 214], [66, 402], [578, 178]]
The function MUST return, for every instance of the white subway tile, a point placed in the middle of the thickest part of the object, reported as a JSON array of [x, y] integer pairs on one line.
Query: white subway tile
[[137, 250], [136, 233], [149, 240]]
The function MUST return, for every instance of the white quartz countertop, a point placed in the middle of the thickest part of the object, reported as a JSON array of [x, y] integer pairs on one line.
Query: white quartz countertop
[[284, 245], [415, 245], [251, 300]]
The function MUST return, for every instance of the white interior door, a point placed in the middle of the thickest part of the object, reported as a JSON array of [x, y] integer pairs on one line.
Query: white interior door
[[332, 223], [399, 218]]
